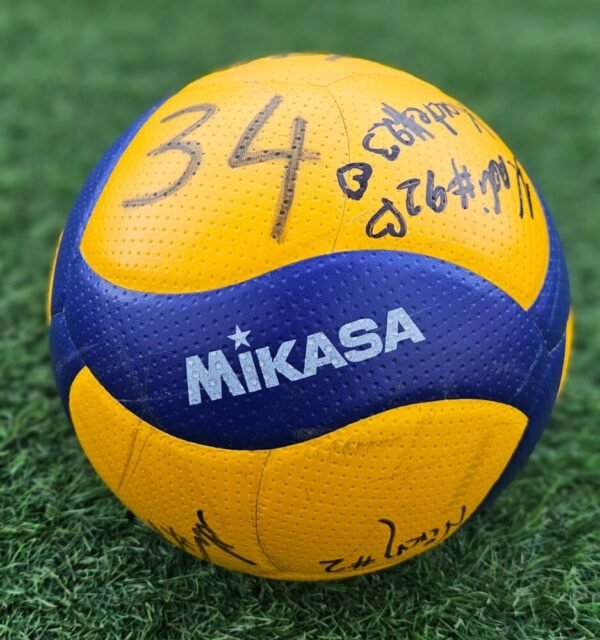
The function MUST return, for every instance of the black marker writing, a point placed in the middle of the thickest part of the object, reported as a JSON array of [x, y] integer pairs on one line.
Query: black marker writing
[[395, 548], [173, 536], [410, 185], [337, 566], [204, 537], [389, 218], [242, 156], [435, 195], [414, 124], [493, 179], [523, 187], [392, 221], [358, 172], [183, 144], [461, 185]]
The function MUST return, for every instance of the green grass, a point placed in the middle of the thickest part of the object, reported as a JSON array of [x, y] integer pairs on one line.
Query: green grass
[[72, 563]]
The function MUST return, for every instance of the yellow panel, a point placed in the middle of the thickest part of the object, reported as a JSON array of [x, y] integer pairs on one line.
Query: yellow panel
[[165, 480], [310, 68], [361, 498], [217, 229], [215, 226], [51, 281], [509, 250], [568, 345]]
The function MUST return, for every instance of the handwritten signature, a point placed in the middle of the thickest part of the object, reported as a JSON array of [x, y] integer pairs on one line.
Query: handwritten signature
[[434, 195], [203, 536], [395, 548], [415, 125]]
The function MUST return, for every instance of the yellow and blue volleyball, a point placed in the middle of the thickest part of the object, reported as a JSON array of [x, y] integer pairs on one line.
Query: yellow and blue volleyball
[[307, 316]]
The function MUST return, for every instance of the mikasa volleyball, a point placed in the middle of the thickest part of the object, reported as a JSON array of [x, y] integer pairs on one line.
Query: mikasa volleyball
[[308, 315]]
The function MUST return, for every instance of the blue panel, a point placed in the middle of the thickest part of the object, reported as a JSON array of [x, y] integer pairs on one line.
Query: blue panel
[[549, 312], [66, 361], [69, 248], [551, 308], [541, 404], [479, 344]]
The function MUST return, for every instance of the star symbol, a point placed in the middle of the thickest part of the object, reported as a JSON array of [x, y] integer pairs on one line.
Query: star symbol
[[239, 337]]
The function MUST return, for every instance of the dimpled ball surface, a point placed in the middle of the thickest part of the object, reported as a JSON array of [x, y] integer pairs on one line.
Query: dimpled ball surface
[[308, 315]]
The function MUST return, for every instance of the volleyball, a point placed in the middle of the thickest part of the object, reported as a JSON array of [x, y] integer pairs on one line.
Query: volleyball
[[307, 316]]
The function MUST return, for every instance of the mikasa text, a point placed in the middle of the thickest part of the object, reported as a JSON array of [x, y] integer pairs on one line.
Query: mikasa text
[[358, 341]]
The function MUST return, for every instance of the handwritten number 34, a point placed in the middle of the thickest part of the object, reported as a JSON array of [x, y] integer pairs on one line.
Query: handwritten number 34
[[241, 156]]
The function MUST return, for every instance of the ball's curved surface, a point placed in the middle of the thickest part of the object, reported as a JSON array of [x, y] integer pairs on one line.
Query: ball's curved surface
[[307, 315]]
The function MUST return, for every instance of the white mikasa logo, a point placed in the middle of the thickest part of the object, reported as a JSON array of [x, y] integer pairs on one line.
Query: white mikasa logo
[[359, 339]]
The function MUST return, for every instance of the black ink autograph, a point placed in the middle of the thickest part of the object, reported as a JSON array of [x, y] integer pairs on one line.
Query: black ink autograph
[[203, 536], [394, 548], [414, 124], [389, 219]]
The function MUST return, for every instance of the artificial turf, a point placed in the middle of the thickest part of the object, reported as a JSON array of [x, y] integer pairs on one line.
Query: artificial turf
[[73, 564]]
